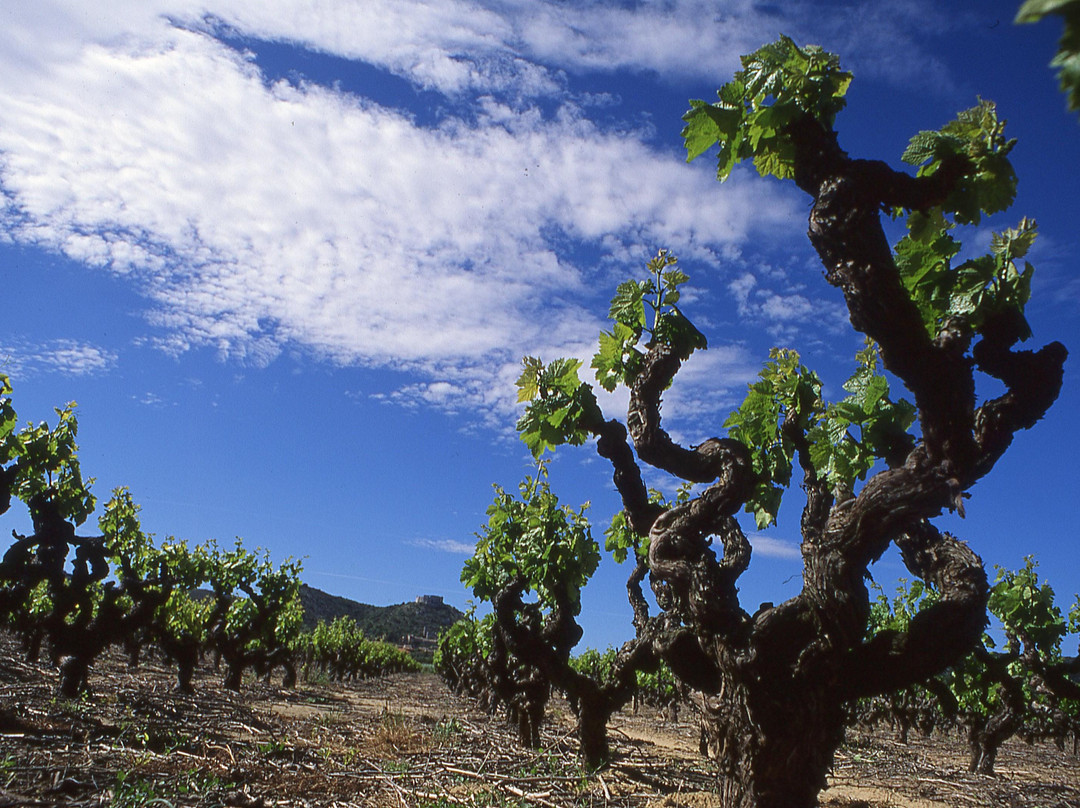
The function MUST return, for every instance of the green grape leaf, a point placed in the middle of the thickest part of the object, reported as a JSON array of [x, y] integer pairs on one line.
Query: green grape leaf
[[617, 360], [620, 539], [528, 383], [778, 83], [533, 538], [765, 504], [786, 389], [628, 305], [129, 547], [1014, 242], [672, 279], [865, 426], [8, 421], [47, 467], [563, 375], [977, 135], [923, 147], [776, 161], [562, 408], [706, 124], [672, 328], [975, 290], [845, 439], [1026, 608]]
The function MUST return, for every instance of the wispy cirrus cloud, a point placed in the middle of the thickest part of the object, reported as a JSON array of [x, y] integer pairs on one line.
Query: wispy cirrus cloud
[[255, 214], [787, 311], [523, 46], [260, 215], [771, 547], [66, 356], [445, 546]]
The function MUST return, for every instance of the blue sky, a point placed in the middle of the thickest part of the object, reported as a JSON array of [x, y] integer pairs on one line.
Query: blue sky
[[286, 256]]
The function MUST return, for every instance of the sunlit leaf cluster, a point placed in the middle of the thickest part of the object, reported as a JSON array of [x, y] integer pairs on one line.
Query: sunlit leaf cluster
[[897, 613], [843, 439], [560, 405], [532, 539], [864, 427], [45, 461], [657, 688], [786, 393], [976, 136], [1034, 629], [462, 653], [779, 83], [1026, 608], [340, 650], [562, 409], [82, 594], [620, 538], [645, 310], [975, 290]]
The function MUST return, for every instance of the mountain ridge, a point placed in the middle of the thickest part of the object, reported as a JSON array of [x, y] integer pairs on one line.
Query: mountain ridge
[[415, 625]]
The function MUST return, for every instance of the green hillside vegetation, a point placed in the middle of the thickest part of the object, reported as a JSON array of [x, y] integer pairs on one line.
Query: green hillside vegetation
[[414, 626]]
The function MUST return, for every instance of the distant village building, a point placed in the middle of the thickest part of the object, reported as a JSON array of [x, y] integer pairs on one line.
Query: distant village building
[[430, 600]]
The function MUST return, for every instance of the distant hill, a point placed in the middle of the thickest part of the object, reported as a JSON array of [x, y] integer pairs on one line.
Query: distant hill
[[414, 626]]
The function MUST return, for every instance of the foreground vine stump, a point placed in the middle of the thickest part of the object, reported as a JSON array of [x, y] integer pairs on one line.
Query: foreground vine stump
[[875, 469]]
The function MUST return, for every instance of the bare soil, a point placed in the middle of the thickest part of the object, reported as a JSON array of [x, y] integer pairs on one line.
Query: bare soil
[[404, 741]]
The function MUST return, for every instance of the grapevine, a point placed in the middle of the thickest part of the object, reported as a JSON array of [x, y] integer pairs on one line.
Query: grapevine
[[75, 596]]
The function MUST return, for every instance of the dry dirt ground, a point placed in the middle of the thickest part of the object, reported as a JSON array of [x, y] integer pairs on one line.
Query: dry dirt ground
[[405, 742]]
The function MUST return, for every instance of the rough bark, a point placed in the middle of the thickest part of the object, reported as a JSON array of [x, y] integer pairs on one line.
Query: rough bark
[[774, 746], [515, 664], [546, 645], [776, 681], [986, 733], [185, 672]]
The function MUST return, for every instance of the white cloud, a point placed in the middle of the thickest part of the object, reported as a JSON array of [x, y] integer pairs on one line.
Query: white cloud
[[65, 356], [703, 39], [445, 546], [708, 386], [521, 45], [256, 215], [151, 399], [785, 314], [518, 45], [771, 547]]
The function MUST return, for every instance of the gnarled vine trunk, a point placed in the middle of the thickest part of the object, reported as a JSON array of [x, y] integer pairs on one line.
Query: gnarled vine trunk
[[777, 681], [773, 745], [515, 664]]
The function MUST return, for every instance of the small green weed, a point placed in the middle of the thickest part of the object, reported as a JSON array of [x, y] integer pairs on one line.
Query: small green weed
[[346, 757], [329, 719], [154, 739], [396, 766], [446, 730], [7, 770], [198, 782], [274, 748], [77, 707], [134, 792]]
